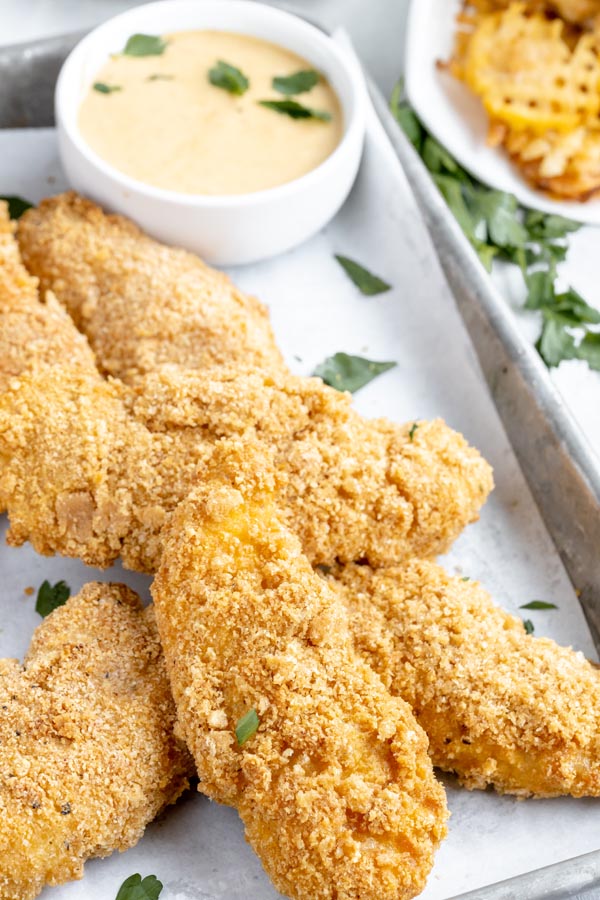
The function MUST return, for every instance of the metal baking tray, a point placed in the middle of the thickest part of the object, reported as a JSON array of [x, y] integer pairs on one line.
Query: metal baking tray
[[556, 460]]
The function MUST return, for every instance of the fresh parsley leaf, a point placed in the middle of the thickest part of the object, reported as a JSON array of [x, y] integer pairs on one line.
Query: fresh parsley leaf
[[295, 110], [466, 578], [499, 210], [406, 118], [136, 888], [437, 158], [454, 195], [555, 343], [540, 288], [103, 88], [528, 626], [247, 727], [16, 205], [542, 226], [572, 301], [589, 350], [51, 596], [145, 45], [365, 281], [226, 76], [350, 373], [497, 227], [539, 604], [411, 433], [159, 76], [298, 83], [486, 254]]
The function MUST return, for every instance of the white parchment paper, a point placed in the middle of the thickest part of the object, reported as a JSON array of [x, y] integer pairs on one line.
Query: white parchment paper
[[197, 848]]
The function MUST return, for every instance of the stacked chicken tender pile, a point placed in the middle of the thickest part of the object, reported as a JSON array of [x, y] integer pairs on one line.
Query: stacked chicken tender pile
[[536, 67], [145, 412]]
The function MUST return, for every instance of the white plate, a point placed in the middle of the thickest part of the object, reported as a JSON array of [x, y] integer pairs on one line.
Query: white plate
[[456, 117]]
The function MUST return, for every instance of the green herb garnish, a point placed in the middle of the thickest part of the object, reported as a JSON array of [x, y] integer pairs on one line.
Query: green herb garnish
[[413, 428], [538, 604], [247, 727], [298, 83], [51, 596], [350, 373], [365, 281], [16, 205], [158, 76], [498, 227], [528, 626], [466, 578], [225, 76], [136, 888], [145, 45], [103, 88], [295, 110], [589, 350]]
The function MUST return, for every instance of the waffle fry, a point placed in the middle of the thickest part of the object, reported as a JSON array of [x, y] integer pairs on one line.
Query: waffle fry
[[530, 72], [565, 165], [578, 12]]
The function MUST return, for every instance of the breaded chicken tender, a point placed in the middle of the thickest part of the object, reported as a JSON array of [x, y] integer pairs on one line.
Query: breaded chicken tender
[[499, 706], [32, 334], [80, 477], [335, 788], [87, 752], [140, 303], [92, 469]]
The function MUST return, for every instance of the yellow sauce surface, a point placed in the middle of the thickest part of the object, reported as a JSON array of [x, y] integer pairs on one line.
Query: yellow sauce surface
[[179, 132]]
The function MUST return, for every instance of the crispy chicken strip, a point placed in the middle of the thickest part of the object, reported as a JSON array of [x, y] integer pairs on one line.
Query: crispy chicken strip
[[87, 752], [139, 302], [79, 476], [92, 469], [32, 334], [335, 788], [500, 707]]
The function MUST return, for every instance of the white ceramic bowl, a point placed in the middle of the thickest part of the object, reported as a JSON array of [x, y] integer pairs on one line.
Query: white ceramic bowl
[[225, 230]]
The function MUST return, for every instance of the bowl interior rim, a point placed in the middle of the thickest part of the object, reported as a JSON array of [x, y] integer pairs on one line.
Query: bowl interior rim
[[353, 105]]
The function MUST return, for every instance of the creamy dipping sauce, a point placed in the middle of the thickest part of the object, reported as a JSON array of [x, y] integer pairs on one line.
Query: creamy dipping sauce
[[167, 125]]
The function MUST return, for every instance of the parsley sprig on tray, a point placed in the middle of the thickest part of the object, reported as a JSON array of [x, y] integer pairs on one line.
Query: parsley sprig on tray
[[137, 888], [498, 228]]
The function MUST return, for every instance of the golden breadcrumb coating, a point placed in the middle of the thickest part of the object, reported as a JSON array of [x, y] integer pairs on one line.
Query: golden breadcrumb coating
[[91, 469], [87, 752], [79, 476], [32, 334], [500, 707], [139, 302], [335, 789]]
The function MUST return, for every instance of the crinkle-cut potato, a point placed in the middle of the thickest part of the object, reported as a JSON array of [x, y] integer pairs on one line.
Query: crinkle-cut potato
[[88, 755], [500, 707], [335, 787], [527, 72], [564, 165]]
